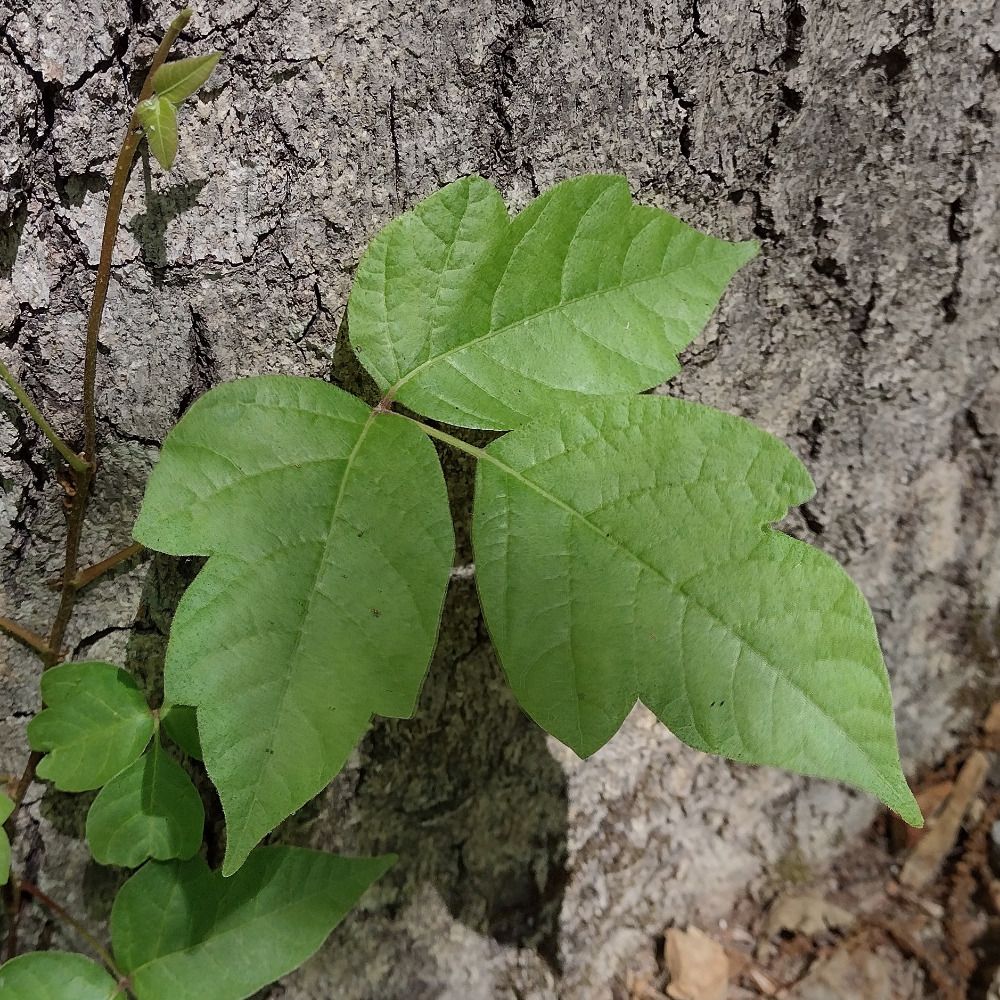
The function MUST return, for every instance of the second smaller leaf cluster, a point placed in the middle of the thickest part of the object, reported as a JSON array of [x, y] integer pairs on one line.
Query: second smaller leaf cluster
[[98, 732], [172, 84]]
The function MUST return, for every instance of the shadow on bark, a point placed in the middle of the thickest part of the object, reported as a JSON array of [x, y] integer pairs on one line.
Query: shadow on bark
[[466, 792], [11, 229], [149, 227]]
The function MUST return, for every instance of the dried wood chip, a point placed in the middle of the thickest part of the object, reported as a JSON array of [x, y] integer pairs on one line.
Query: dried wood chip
[[927, 857], [698, 966]]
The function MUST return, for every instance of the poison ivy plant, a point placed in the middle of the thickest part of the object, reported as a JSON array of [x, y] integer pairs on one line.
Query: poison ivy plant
[[98, 731], [623, 543], [182, 932], [172, 84]]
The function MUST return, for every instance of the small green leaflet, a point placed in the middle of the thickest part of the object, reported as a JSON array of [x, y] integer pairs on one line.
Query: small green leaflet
[[180, 723], [182, 932], [331, 544], [172, 83], [158, 118], [622, 553], [6, 808], [55, 975], [96, 722], [472, 318], [177, 81], [149, 810]]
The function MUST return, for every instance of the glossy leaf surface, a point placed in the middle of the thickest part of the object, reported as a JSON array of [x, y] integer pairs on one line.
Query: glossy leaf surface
[[331, 544], [96, 722], [623, 554], [470, 317]]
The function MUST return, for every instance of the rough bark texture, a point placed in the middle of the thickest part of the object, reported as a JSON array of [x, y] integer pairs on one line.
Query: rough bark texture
[[856, 139]]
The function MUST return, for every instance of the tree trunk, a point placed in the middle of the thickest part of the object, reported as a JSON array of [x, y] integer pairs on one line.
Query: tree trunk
[[855, 139]]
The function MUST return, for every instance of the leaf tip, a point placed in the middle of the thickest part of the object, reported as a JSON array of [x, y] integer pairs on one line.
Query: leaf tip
[[908, 810]]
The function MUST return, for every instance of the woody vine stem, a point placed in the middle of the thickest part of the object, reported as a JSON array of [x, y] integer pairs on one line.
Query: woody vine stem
[[83, 466]]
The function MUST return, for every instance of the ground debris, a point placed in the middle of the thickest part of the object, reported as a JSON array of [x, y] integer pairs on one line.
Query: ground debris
[[861, 976], [806, 913], [929, 854], [698, 966]]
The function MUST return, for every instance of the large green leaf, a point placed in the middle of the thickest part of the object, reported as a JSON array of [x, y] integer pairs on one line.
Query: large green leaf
[[470, 317], [55, 975], [331, 544], [182, 932], [96, 722], [150, 810], [622, 553]]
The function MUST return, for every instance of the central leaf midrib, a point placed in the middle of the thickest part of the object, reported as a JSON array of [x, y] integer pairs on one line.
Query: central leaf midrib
[[606, 537], [287, 679], [490, 334]]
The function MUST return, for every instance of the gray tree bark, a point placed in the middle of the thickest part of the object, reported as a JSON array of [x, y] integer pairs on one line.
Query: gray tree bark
[[855, 138]]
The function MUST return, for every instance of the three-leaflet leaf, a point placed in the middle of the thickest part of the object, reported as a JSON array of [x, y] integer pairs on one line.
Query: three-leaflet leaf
[[623, 542]]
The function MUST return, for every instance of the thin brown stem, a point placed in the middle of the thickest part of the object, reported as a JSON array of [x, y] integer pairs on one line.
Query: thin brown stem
[[123, 167], [25, 635], [44, 426], [87, 576], [32, 890], [84, 477]]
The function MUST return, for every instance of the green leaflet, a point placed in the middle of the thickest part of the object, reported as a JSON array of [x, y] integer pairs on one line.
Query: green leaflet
[[158, 118], [331, 545], [178, 80], [622, 554], [55, 975], [182, 932], [474, 319], [6, 808], [149, 810], [181, 724], [96, 722]]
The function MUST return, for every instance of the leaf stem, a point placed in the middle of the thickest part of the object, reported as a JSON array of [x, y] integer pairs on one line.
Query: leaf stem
[[455, 442], [30, 889], [44, 426], [87, 576], [25, 635]]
